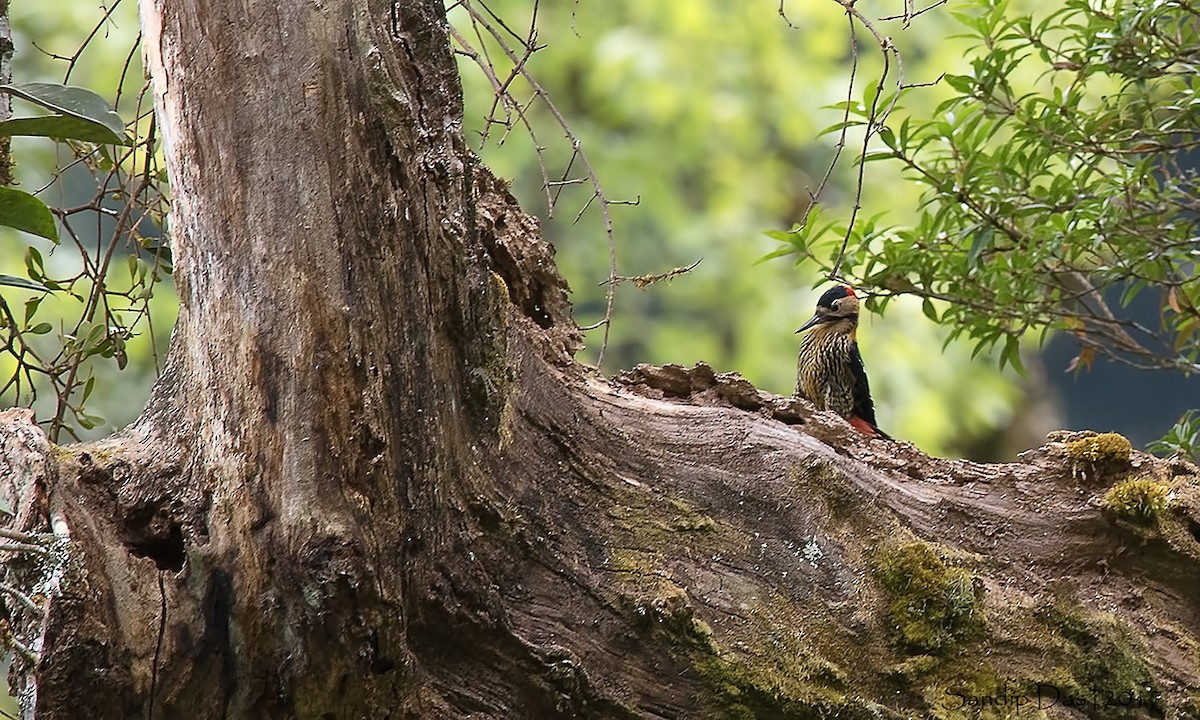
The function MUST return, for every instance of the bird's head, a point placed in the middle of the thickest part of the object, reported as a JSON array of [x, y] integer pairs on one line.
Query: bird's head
[[837, 308]]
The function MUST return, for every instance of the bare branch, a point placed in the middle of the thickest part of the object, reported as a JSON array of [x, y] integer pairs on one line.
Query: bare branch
[[519, 68], [642, 281]]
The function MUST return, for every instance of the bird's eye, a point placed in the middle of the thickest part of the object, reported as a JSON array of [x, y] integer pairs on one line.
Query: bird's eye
[[835, 304]]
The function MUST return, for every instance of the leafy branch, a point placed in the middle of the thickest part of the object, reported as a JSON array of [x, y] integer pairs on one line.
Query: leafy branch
[[109, 256], [1044, 209]]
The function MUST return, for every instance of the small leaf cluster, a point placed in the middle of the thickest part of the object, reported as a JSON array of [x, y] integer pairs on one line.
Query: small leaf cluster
[[77, 114], [1055, 181], [1183, 438]]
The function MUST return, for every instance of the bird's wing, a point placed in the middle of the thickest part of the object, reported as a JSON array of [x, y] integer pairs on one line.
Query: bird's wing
[[864, 406]]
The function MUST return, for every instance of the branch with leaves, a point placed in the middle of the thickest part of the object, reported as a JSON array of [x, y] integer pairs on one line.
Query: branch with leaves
[[1048, 205], [111, 240]]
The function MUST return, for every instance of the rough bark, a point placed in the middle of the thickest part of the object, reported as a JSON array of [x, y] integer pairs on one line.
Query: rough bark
[[373, 483]]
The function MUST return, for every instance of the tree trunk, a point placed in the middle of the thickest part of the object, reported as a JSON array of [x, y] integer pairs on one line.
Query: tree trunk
[[373, 483]]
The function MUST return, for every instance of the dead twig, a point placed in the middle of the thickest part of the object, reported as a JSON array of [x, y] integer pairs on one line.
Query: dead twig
[[641, 281]]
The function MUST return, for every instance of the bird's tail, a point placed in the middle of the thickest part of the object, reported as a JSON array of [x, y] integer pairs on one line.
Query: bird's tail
[[868, 428]]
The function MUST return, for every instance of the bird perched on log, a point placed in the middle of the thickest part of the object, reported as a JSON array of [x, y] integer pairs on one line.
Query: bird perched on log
[[829, 371]]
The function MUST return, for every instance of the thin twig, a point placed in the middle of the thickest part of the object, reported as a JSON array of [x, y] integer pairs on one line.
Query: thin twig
[[642, 281], [18, 536], [875, 118], [74, 59], [22, 548], [815, 195], [25, 601], [783, 15], [909, 14]]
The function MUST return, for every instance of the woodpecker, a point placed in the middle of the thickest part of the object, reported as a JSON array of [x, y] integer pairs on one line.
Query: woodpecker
[[829, 371]]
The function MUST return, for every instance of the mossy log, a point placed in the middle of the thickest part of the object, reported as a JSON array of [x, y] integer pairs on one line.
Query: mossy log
[[635, 552]]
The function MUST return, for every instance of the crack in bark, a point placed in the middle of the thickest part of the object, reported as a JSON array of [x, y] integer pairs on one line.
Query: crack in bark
[[162, 629]]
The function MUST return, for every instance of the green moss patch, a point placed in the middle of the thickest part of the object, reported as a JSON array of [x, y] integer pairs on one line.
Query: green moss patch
[[980, 694], [745, 693], [932, 606], [842, 501], [491, 377], [685, 518], [1100, 449], [1141, 500], [647, 521], [912, 669], [1104, 660], [772, 670]]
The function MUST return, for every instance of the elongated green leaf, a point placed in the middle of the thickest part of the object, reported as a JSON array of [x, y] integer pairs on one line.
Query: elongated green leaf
[[980, 242], [929, 310], [31, 307], [62, 127], [33, 264], [87, 422], [961, 83], [21, 283], [73, 101], [23, 211]]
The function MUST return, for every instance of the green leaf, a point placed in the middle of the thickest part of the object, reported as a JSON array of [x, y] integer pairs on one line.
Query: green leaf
[[73, 101], [962, 83], [982, 241], [89, 421], [41, 328], [839, 126], [878, 155], [23, 211], [92, 339], [929, 310], [62, 127], [104, 159], [778, 253], [888, 137], [22, 283], [1012, 354], [31, 307], [33, 264]]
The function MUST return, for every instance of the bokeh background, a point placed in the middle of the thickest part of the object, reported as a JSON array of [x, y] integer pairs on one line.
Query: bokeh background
[[710, 115]]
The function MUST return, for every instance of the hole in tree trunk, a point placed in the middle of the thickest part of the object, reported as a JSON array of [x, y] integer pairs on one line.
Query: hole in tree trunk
[[149, 534]]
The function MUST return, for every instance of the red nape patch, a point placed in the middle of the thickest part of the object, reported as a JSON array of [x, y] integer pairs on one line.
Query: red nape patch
[[849, 291], [863, 426]]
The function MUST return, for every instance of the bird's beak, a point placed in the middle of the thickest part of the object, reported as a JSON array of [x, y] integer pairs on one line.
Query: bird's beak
[[814, 320]]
